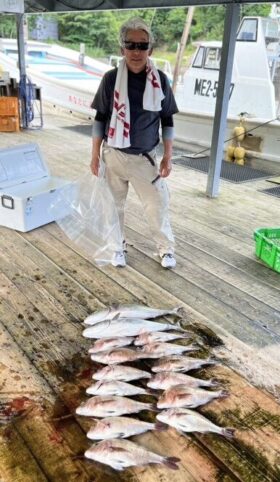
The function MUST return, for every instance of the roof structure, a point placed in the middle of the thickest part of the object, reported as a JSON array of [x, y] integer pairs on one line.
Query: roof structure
[[76, 5]]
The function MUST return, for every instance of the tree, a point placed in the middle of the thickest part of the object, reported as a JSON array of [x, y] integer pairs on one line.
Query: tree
[[159, 19], [209, 23], [99, 30], [256, 10], [8, 28]]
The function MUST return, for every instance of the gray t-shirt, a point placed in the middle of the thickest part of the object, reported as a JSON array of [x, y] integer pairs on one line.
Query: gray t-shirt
[[144, 124]]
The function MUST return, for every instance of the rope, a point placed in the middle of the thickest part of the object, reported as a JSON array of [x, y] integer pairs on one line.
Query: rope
[[26, 92]]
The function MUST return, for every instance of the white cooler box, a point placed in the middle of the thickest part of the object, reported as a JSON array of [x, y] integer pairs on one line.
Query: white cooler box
[[27, 190]]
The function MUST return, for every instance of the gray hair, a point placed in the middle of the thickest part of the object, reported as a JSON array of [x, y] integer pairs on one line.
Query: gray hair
[[135, 23]]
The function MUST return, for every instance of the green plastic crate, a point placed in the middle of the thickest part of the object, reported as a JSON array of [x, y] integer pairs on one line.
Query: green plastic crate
[[268, 246]]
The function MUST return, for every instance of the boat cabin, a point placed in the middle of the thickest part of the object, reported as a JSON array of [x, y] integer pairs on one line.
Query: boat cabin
[[255, 86]]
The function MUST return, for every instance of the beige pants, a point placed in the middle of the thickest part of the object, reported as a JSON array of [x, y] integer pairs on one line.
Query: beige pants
[[122, 169]]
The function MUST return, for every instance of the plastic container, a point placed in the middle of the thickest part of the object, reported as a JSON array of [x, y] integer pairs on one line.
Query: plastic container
[[27, 189], [9, 106], [268, 246], [9, 124]]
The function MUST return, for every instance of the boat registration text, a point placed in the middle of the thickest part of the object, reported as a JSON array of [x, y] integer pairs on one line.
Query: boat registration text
[[208, 88]]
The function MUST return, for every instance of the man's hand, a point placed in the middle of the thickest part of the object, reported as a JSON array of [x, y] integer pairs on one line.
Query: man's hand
[[95, 155], [95, 166], [165, 167]]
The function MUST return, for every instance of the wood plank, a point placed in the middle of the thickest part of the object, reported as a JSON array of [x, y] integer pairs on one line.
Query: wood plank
[[28, 405], [223, 246], [16, 462], [234, 269], [264, 358], [47, 286], [71, 391], [52, 244], [207, 295], [18, 380]]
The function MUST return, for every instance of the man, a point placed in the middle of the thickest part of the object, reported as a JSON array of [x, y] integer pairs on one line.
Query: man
[[131, 103]]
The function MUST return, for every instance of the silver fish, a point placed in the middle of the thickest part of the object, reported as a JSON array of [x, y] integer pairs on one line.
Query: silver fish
[[129, 311], [184, 396], [121, 373], [166, 380], [121, 454], [120, 427], [118, 355], [190, 421], [110, 343], [156, 350], [126, 327], [159, 337], [181, 364], [115, 388], [107, 406]]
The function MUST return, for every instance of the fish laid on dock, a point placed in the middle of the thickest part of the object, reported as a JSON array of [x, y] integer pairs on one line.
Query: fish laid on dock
[[120, 454], [107, 406], [186, 420], [160, 337], [166, 380], [121, 427], [127, 327], [108, 343], [117, 388], [129, 311], [181, 364], [118, 355], [183, 396], [156, 350], [121, 373]]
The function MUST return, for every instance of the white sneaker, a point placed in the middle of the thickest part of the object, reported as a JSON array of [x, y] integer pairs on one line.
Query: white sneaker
[[118, 259], [168, 261]]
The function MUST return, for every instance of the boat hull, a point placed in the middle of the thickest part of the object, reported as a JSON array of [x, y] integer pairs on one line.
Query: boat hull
[[195, 130]]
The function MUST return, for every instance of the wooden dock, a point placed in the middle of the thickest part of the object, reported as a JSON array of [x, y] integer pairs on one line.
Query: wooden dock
[[230, 300]]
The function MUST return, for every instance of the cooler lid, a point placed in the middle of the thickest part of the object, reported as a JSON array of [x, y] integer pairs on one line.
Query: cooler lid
[[20, 164]]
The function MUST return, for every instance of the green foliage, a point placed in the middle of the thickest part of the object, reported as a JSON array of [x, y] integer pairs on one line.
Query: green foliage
[[98, 30], [8, 28], [208, 23], [176, 19], [256, 10]]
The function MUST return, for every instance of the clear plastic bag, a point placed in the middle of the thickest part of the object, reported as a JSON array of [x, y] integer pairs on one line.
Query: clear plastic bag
[[92, 221]]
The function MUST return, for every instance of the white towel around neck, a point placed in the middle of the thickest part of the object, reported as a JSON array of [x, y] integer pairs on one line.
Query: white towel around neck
[[118, 135]]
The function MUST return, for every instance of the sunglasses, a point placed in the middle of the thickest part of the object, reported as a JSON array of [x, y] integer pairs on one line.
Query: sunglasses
[[136, 45]]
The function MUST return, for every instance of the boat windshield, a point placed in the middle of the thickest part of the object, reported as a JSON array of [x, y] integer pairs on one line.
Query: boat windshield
[[207, 58], [248, 30]]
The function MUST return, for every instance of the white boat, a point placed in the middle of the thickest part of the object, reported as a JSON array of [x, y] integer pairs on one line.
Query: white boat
[[63, 78], [255, 88]]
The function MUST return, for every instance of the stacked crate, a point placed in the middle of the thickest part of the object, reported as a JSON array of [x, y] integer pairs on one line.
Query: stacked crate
[[9, 114]]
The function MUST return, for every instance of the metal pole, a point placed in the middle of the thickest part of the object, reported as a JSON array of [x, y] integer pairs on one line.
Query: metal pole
[[22, 68], [223, 93]]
